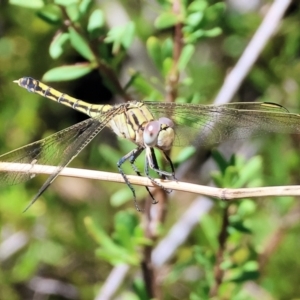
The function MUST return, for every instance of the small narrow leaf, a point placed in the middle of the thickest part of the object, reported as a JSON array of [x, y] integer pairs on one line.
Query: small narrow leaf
[[96, 20], [56, 46], [84, 6], [185, 154], [121, 36], [194, 19], [167, 48], [68, 72], [50, 14], [35, 4], [142, 85], [73, 12], [154, 51], [65, 2], [167, 65], [128, 36], [120, 197], [80, 44], [198, 5], [213, 32], [186, 55], [165, 20]]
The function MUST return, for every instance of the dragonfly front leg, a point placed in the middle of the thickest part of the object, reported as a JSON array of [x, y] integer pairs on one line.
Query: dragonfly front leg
[[135, 154], [151, 161]]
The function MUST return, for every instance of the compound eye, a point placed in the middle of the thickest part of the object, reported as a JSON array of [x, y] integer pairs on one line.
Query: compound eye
[[151, 132], [166, 121]]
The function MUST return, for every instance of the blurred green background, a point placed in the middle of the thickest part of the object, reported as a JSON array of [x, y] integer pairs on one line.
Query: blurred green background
[[79, 229]]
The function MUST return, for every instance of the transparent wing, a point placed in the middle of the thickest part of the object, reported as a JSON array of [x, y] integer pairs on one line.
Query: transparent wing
[[58, 149], [210, 124]]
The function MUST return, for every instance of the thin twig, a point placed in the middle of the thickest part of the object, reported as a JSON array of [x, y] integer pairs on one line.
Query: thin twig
[[113, 281], [153, 221], [225, 194], [222, 239]]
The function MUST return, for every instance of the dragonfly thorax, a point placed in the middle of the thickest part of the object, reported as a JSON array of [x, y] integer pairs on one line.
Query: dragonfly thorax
[[130, 123], [159, 133]]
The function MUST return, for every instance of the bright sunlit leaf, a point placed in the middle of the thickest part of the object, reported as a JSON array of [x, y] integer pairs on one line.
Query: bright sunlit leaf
[[68, 72], [81, 45], [36, 4]]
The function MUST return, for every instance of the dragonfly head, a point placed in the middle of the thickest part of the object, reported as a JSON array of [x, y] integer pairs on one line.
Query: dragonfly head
[[159, 133]]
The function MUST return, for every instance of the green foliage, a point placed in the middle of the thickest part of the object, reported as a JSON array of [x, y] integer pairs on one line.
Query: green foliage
[[73, 234], [236, 172], [120, 36], [68, 72], [121, 247]]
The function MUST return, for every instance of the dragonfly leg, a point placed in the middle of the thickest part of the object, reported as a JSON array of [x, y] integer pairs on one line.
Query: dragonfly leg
[[150, 155], [151, 161], [134, 167], [131, 156], [171, 165]]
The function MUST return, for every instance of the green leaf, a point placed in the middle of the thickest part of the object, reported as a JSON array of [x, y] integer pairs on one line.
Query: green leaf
[[167, 48], [121, 36], [110, 250], [35, 4], [50, 14], [185, 154], [210, 230], [237, 224], [212, 32], [154, 51], [57, 44], [128, 35], [166, 20], [98, 234], [125, 223], [139, 289], [246, 208], [194, 36], [96, 20], [186, 54], [73, 12], [167, 65], [251, 266], [68, 72], [194, 19], [81, 45], [65, 2], [240, 276], [217, 178], [214, 12], [250, 171], [121, 196], [84, 6], [142, 85], [220, 160], [197, 6]]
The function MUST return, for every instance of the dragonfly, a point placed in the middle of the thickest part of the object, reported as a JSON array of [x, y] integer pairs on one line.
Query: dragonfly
[[150, 126]]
